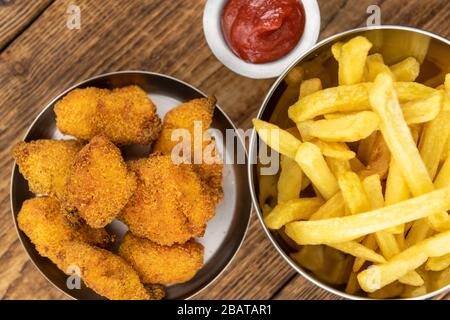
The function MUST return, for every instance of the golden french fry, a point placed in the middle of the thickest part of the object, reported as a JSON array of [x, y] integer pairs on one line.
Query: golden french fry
[[350, 98], [412, 278], [398, 137], [334, 207], [433, 141], [390, 291], [338, 166], [353, 192], [336, 50], [369, 242], [310, 86], [356, 165], [338, 150], [406, 70], [290, 180], [438, 263], [278, 139], [374, 191], [378, 276], [443, 177], [358, 250], [342, 229], [424, 109], [352, 60], [446, 153], [312, 163], [440, 279], [374, 66], [292, 210], [352, 284], [349, 128]]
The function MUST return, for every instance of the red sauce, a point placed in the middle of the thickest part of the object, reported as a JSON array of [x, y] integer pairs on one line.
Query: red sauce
[[260, 31]]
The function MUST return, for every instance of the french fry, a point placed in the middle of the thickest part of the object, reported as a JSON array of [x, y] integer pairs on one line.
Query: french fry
[[433, 141], [413, 292], [358, 250], [350, 98], [424, 109], [267, 189], [378, 276], [348, 128], [401, 144], [352, 60], [278, 139], [369, 242], [353, 192], [338, 150], [365, 147], [352, 284], [290, 180], [438, 263], [310, 86], [292, 210], [412, 278], [406, 70], [338, 166], [333, 208], [443, 177], [336, 50], [440, 279], [342, 229], [379, 159], [356, 165], [312, 163], [374, 66]]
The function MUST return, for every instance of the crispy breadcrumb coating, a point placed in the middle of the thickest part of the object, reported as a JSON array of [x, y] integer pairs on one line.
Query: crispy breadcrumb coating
[[170, 204], [42, 221], [185, 116], [45, 164], [125, 115], [162, 264], [99, 185], [105, 273]]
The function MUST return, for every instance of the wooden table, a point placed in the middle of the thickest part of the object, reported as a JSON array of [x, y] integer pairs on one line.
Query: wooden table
[[40, 56]]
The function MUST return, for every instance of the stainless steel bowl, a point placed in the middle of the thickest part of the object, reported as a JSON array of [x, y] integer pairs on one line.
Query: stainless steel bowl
[[395, 43], [225, 232]]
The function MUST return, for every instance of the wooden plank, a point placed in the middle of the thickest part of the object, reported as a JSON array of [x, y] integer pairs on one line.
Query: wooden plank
[[15, 16]]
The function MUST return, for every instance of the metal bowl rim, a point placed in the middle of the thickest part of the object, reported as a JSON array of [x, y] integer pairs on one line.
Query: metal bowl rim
[[252, 151], [78, 84]]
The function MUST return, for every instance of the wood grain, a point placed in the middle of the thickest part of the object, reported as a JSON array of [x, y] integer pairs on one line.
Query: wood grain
[[15, 16], [167, 37]]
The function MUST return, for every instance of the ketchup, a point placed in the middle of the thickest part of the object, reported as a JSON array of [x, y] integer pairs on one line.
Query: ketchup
[[260, 31]]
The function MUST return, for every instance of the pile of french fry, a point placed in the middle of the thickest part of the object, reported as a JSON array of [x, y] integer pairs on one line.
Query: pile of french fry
[[375, 153]]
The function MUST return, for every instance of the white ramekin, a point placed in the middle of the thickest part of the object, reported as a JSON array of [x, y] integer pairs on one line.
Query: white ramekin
[[213, 33]]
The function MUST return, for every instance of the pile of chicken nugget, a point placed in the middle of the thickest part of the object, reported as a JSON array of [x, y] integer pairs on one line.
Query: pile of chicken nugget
[[82, 185]]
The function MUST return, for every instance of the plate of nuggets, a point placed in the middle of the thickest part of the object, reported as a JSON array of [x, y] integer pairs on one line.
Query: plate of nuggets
[[115, 196]]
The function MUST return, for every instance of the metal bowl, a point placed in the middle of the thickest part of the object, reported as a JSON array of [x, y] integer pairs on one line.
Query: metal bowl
[[395, 43], [225, 232]]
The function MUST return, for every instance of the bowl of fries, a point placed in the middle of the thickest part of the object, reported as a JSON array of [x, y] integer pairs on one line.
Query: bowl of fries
[[352, 178]]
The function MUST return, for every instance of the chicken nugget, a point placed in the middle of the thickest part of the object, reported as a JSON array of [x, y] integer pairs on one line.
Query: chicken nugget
[[99, 184], [197, 112], [162, 264], [170, 204], [125, 115], [42, 221], [45, 164], [105, 273]]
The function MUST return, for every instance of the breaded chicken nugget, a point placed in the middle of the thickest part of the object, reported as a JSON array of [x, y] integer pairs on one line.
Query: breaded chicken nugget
[[170, 204], [105, 273], [125, 115], [42, 221], [99, 185], [46, 164], [185, 116], [161, 264]]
